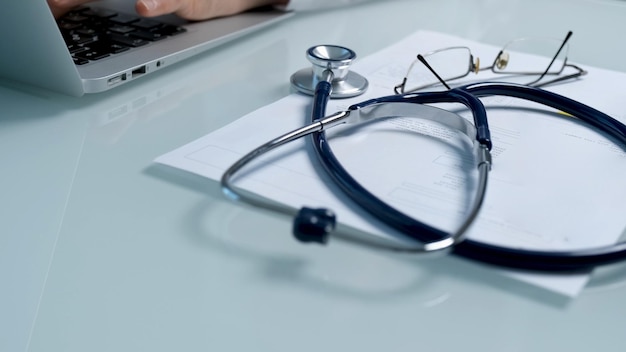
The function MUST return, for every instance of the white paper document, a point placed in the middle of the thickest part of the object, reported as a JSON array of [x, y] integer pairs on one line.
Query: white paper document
[[555, 184]]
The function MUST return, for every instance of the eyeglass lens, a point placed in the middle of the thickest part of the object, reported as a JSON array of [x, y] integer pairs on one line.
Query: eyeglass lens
[[531, 56]]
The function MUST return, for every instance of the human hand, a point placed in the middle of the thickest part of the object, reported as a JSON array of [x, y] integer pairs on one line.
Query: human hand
[[200, 9], [187, 9], [59, 7]]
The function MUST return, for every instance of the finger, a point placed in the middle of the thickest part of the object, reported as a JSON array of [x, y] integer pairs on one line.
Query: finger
[[200, 9], [59, 7], [188, 9]]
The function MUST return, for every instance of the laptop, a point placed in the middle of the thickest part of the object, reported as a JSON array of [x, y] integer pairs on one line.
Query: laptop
[[61, 55]]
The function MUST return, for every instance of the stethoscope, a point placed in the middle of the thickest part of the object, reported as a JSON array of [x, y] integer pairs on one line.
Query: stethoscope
[[330, 77]]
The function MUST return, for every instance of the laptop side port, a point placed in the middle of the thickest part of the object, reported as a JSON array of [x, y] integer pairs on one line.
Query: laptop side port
[[139, 71], [117, 79]]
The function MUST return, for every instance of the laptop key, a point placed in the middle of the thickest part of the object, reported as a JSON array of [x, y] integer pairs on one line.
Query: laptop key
[[79, 61], [117, 48], [73, 48], [68, 26], [121, 29], [123, 18], [97, 12], [92, 33], [128, 41], [78, 39], [109, 47], [75, 17], [145, 23], [86, 31], [169, 29], [150, 36], [92, 55]]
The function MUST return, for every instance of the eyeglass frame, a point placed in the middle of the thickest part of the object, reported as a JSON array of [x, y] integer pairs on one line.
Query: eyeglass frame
[[474, 66]]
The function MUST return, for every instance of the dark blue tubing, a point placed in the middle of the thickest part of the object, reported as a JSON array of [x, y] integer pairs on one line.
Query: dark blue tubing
[[563, 261]]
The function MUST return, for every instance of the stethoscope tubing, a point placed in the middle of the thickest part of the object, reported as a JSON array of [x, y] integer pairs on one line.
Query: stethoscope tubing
[[444, 243], [574, 260], [430, 238], [230, 191], [591, 116]]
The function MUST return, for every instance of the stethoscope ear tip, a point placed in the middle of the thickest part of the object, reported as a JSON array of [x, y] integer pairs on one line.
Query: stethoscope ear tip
[[314, 225]]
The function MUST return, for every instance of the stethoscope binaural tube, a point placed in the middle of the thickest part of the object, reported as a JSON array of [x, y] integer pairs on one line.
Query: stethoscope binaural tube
[[315, 225], [307, 226], [380, 209], [571, 261]]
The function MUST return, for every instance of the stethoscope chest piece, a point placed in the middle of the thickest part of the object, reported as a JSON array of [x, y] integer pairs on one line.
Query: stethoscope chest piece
[[345, 83]]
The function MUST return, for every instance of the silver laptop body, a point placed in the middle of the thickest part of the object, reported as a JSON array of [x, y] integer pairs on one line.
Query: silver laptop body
[[33, 51]]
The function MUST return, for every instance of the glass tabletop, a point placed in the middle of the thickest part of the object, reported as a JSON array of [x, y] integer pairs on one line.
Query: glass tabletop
[[103, 250]]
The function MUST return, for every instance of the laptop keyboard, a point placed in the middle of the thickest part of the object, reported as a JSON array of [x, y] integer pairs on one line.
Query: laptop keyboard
[[93, 33]]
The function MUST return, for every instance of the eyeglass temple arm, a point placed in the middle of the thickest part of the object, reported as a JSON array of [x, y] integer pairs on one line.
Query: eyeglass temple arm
[[423, 60], [580, 72], [567, 37], [399, 88], [477, 108]]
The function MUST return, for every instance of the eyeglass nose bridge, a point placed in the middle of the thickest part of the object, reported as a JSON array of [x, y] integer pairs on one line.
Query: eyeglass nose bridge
[[474, 64], [502, 60]]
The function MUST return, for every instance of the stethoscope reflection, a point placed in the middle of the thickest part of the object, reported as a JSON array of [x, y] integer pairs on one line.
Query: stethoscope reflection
[[370, 276]]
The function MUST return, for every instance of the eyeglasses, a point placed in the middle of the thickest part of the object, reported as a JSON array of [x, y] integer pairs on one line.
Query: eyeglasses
[[448, 64]]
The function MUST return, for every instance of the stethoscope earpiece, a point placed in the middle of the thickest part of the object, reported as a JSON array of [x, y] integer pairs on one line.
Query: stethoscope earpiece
[[334, 58]]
